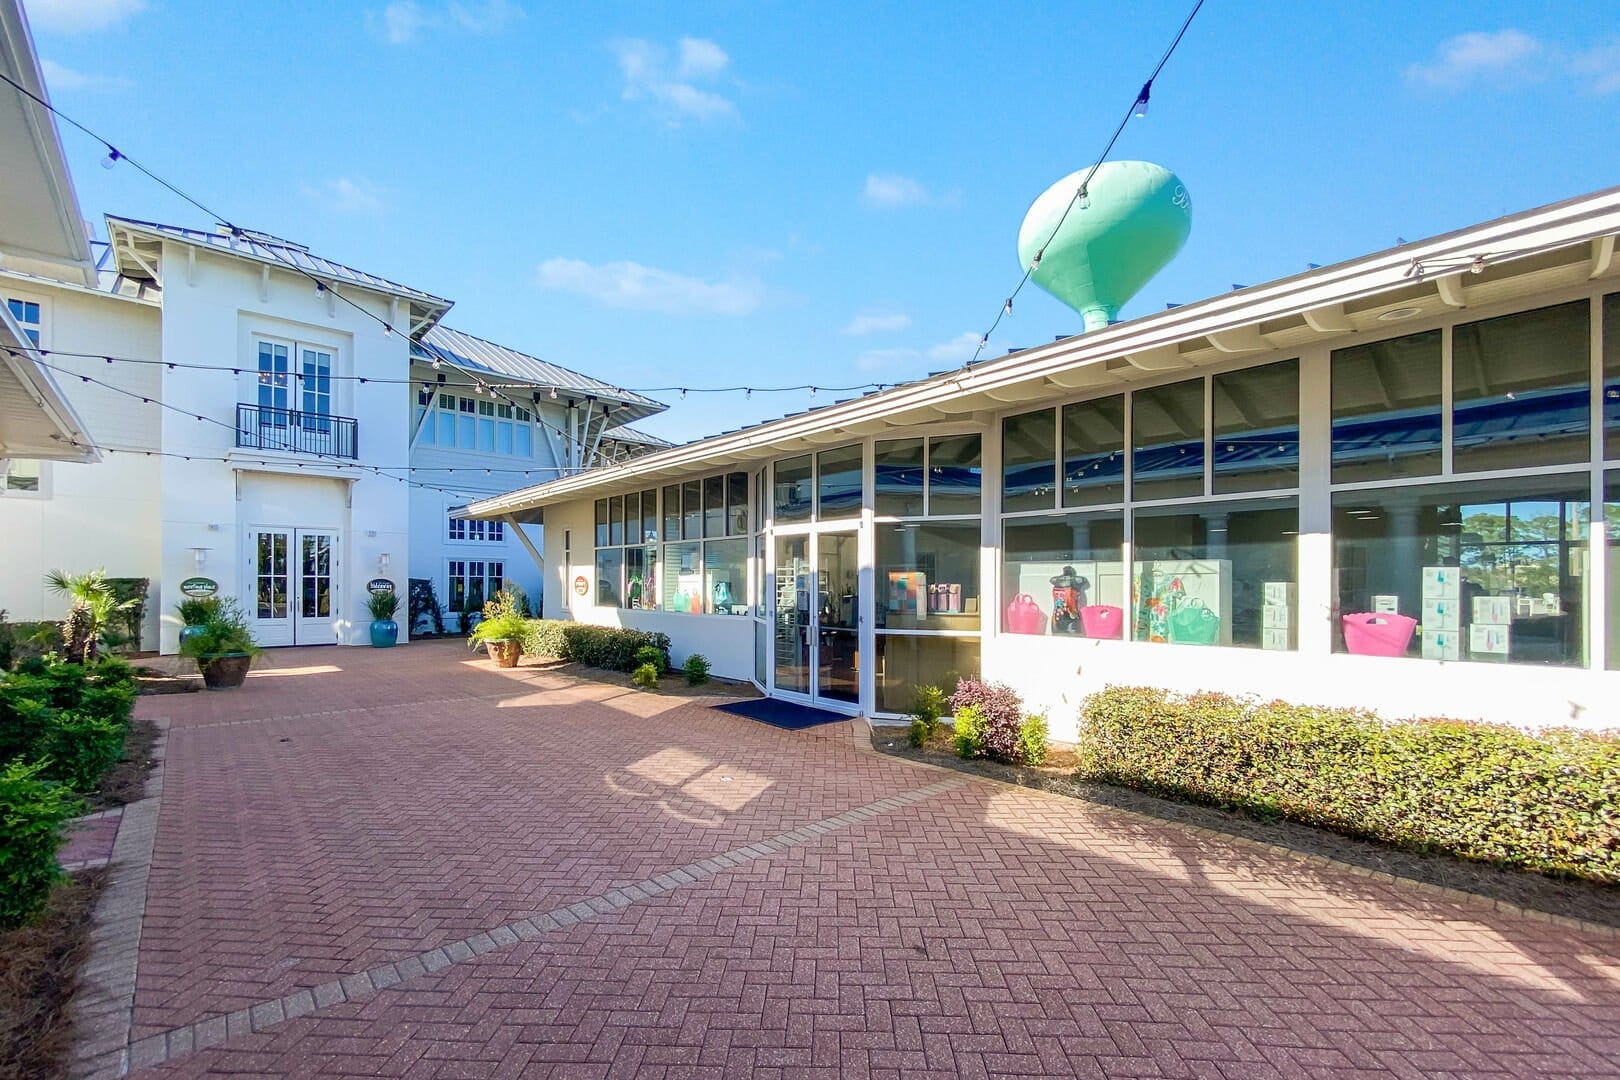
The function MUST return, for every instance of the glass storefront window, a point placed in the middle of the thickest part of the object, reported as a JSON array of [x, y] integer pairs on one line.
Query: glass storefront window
[[838, 482], [1064, 575], [736, 504], [1256, 428], [898, 478], [1489, 571], [682, 578], [928, 577], [1611, 375], [1029, 461], [1611, 548], [1094, 452], [601, 522], [905, 662], [632, 518], [638, 579], [714, 506], [1386, 409], [792, 500], [955, 468], [616, 519], [649, 515], [609, 576], [691, 510], [725, 577], [1521, 389], [672, 512], [1217, 574], [1167, 441]]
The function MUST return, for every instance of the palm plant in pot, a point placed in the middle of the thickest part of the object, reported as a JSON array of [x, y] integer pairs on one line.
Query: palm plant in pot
[[195, 612], [384, 630], [223, 648], [503, 634]]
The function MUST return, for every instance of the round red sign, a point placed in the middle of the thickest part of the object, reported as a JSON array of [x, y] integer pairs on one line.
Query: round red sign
[[581, 586]]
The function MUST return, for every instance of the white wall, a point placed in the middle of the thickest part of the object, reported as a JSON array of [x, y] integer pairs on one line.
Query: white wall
[[105, 514]]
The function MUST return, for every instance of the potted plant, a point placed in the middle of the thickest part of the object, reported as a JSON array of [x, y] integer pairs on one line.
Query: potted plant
[[384, 630], [223, 648], [503, 634], [195, 612]]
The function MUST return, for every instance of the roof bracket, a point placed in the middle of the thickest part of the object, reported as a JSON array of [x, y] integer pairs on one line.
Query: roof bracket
[[1331, 319], [1452, 293], [1244, 339], [1602, 256]]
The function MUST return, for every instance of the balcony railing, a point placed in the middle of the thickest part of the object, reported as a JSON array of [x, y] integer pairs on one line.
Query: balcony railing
[[259, 427]]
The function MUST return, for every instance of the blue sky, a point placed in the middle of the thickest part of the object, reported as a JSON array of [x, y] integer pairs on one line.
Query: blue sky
[[703, 194]]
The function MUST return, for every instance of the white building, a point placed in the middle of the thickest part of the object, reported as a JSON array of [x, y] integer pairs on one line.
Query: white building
[[1392, 483], [225, 405]]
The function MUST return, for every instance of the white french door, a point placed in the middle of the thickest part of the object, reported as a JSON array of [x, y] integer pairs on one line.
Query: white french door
[[295, 585], [817, 618]]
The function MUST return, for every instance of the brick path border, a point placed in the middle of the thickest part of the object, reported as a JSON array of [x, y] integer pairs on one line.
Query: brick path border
[[166, 1046], [103, 1009]]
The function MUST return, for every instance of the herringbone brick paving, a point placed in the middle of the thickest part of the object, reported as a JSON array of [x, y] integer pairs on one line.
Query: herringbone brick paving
[[981, 931]]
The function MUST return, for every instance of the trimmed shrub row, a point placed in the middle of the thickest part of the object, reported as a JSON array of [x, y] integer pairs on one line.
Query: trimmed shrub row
[[1547, 801], [33, 813], [611, 647]]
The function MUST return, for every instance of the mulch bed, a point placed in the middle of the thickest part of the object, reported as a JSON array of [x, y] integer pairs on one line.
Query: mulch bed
[[671, 685], [125, 782], [39, 971], [1568, 897]]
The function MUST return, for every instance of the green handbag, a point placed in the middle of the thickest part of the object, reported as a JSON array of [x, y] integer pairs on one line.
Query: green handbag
[[1194, 624]]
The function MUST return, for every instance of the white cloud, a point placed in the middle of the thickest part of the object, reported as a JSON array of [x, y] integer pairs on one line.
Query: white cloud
[[1502, 57], [671, 88], [346, 195], [862, 325], [634, 287], [889, 190], [61, 78], [403, 21], [1599, 67], [80, 16], [955, 351]]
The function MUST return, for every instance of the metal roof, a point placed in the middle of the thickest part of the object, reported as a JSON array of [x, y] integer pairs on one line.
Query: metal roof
[[465, 351], [630, 435], [275, 251]]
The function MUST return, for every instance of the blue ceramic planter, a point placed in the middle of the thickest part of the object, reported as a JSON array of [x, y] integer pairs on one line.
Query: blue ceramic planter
[[187, 632], [384, 633]]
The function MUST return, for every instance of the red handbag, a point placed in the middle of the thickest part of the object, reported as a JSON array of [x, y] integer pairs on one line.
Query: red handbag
[[1102, 621], [1024, 616]]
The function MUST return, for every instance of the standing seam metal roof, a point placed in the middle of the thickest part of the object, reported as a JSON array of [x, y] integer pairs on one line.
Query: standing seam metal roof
[[466, 351]]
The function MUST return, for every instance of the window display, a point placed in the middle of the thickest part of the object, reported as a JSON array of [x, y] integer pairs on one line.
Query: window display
[[609, 576], [1611, 376], [1521, 389], [928, 577], [1492, 571], [1064, 576], [1216, 574], [1386, 409], [683, 577], [1167, 441], [725, 577]]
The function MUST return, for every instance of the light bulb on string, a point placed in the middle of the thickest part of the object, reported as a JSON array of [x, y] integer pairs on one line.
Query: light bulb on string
[[113, 157], [1140, 109], [1478, 265]]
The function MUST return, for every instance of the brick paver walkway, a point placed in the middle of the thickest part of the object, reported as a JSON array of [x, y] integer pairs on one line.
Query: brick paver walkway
[[409, 864]]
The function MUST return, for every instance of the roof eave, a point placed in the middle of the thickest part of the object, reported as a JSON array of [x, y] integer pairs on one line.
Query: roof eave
[[68, 441], [1078, 362]]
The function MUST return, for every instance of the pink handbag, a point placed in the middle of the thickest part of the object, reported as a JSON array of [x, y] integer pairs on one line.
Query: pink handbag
[[1368, 633], [1024, 616], [1102, 621]]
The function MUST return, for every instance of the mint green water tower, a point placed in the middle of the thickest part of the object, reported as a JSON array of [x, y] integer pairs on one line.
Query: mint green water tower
[[1134, 218]]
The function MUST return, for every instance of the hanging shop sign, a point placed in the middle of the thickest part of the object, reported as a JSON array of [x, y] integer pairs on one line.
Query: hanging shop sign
[[581, 585], [379, 585], [199, 586]]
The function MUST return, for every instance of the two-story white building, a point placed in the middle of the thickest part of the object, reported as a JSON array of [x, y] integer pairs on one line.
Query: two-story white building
[[288, 428]]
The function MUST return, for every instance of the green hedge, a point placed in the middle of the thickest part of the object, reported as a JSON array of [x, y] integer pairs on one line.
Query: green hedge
[[33, 814], [1547, 801], [544, 637], [70, 718], [609, 647]]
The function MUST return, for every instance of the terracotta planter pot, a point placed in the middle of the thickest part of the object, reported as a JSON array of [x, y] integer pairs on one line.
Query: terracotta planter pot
[[225, 672], [505, 653]]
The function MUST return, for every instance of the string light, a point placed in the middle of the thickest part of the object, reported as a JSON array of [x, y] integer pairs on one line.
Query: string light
[[112, 158], [1081, 199]]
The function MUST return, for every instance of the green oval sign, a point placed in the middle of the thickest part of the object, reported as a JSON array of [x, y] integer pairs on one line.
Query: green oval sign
[[199, 586], [379, 585]]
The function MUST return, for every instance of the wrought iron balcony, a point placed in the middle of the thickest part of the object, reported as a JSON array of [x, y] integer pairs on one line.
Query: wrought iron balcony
[[259, 427]]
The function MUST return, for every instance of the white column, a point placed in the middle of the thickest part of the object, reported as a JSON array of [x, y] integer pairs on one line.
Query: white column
[[1317, 601]]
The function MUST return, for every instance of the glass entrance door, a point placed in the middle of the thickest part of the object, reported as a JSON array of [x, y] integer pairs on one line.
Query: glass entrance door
[[294, 586], [817, 620]]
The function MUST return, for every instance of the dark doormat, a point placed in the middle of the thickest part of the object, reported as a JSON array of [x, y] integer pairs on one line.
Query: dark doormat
[[783, 714]]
